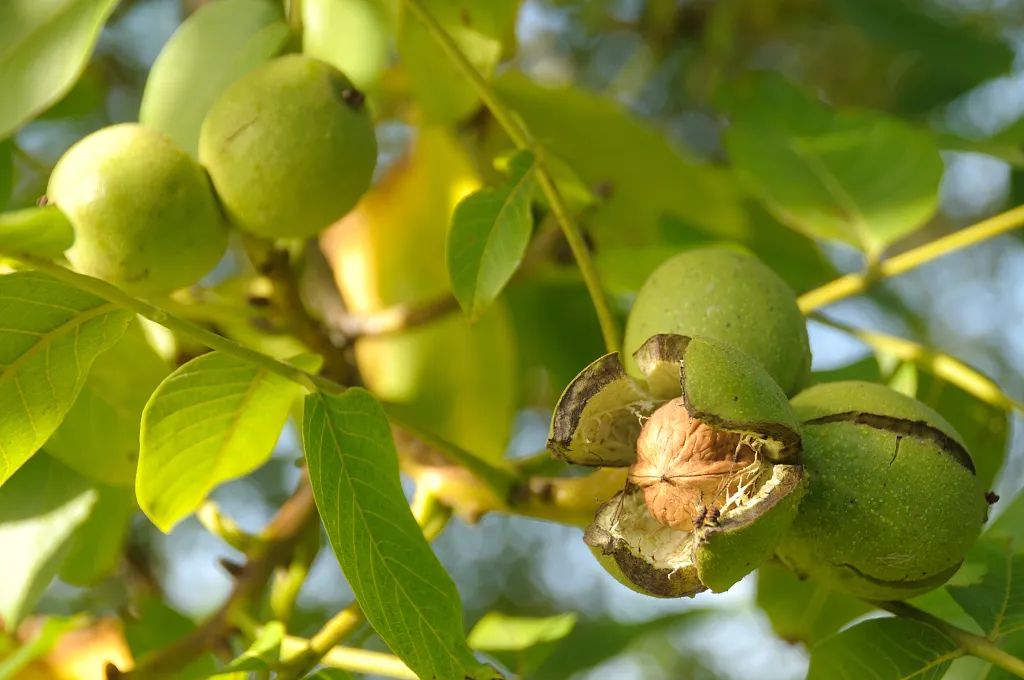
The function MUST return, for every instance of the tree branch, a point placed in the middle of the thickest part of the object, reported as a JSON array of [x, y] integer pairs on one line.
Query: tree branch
[[355, 660], [853, 284], [113, 294], [394, 319], [943, 365], [276, 545]]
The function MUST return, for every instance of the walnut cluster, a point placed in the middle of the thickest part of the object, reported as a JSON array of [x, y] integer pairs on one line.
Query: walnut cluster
[[685, 468]]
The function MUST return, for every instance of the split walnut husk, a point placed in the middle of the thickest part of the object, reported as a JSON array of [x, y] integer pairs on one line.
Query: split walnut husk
[[713, 451]]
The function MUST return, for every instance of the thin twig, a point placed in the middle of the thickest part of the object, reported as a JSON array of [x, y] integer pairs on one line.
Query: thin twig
[[173, 322], [355, 660], [975, 645], [305, 654], [942, 365], [394, 319], [853, 284], [276, 545], [520, 136]]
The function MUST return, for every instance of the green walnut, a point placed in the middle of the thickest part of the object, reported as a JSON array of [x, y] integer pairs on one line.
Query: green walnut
[[713, 452], [892, 505], [144, 214], [290, 147], [727, 296]]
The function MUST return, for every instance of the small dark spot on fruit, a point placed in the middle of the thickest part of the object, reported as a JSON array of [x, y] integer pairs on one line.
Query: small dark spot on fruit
[[465, 17], [353, 97], [991, 497], [735, 397], [42, 201]]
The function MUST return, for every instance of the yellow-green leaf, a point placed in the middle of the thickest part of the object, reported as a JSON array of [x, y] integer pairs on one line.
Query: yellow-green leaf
[[214, 419], [209, 51], [50, 333], [44, 45]]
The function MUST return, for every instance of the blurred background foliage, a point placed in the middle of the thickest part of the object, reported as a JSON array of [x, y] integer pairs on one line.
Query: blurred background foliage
[[668, 123]]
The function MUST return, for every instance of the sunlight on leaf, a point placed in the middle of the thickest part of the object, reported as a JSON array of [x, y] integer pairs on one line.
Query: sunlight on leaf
[[209, 51], [37, 231], [262, 654], [856, 176], [488, 237], [50, 333], [41, 508], [99, 437], [45, 46], [214, 419], [351, 35]]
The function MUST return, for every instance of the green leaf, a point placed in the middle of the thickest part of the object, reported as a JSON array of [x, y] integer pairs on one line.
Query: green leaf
[[594, 642], [214, 419], [95, 549], [6, 171], [884, 648], [478, 28], [99, 437], [545, 311], [212, 48], [351, 35], [521, 643], [996, 602], [489, 234], [41, 508], [640, 178], [38, 231], [263, 653], [406, 594], [803, 610], [501, 632], [937, 56], [856, 176], [44, 45], [50, 333]]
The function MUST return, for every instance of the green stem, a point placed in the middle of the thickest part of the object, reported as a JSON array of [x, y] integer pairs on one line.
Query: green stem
[[520, 136], [940, 364], [355, 660], [853, 284], [975, 645], [173, 322], [224, 528], [500, 480]]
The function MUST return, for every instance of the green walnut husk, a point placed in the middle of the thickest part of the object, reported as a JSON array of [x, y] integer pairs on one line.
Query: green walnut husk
[[143, 211], [731, 297], [600, 421], [290, 147], [893, 503]]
